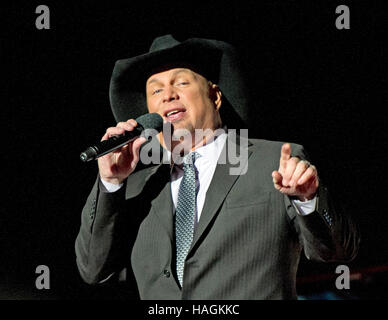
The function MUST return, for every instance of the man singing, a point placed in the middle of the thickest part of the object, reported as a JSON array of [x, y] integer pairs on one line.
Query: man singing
[[194, 229]]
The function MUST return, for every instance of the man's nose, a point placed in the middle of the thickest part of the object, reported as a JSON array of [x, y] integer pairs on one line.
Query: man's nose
[[169, 94]]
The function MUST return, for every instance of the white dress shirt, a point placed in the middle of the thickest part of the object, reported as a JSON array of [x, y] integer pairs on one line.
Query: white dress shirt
[[206, 166]]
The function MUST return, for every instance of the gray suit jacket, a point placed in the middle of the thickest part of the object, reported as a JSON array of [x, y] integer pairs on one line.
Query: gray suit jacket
[[246, 245]]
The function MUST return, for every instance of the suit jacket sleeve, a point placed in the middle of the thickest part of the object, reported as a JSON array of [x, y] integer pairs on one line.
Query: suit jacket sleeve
[[329, 233], [101, 241]]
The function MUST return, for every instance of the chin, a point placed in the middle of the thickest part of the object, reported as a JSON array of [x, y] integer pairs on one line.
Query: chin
[[181, 126]]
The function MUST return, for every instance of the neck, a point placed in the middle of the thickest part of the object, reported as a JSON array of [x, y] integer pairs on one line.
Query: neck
[[186, 144], [194, 141]]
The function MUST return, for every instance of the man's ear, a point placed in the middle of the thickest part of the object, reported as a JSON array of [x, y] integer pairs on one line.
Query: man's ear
[[215, 95]]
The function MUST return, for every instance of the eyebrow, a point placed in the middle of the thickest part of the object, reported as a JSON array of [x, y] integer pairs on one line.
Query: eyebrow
[[174, 74]]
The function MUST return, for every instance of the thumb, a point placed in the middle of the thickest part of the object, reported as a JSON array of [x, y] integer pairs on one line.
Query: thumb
[[277, 179]]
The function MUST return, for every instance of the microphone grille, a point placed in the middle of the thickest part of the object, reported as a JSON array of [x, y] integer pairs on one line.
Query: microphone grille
[[151, 121]]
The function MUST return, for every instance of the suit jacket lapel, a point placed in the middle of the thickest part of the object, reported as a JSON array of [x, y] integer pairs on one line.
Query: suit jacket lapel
[[163, 207], [221, 183]]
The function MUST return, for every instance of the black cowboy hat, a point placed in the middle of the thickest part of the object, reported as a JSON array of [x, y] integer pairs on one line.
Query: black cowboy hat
[[216, 60]]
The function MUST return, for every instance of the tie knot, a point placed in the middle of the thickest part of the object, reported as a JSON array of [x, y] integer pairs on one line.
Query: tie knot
[[189, 159]]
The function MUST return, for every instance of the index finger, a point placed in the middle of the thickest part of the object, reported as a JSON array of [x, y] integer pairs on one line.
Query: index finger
[[285, 154]]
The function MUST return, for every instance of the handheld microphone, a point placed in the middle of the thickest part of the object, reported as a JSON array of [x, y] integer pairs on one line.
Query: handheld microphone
[[146, 121]]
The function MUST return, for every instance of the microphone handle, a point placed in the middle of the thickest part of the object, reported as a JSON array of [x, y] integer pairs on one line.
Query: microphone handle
[[104, 147]]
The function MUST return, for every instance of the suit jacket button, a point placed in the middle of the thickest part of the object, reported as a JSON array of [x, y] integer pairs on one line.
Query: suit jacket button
[[166, 273]]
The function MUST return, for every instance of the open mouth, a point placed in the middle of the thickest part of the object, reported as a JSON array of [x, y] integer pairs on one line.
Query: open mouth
[[174, 114]]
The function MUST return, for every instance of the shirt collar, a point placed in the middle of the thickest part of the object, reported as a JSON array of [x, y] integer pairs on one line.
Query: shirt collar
[[211, 151]]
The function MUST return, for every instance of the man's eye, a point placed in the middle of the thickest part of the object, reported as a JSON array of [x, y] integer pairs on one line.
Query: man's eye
[[183, 83], [156, 91]]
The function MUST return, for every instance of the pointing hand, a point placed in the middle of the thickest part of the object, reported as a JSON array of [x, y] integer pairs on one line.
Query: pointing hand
[[295, 177]]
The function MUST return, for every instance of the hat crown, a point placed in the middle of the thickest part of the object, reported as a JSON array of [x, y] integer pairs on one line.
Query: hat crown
[[163, 42]]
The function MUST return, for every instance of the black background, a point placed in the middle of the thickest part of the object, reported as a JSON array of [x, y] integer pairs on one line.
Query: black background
[[311, 84]]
